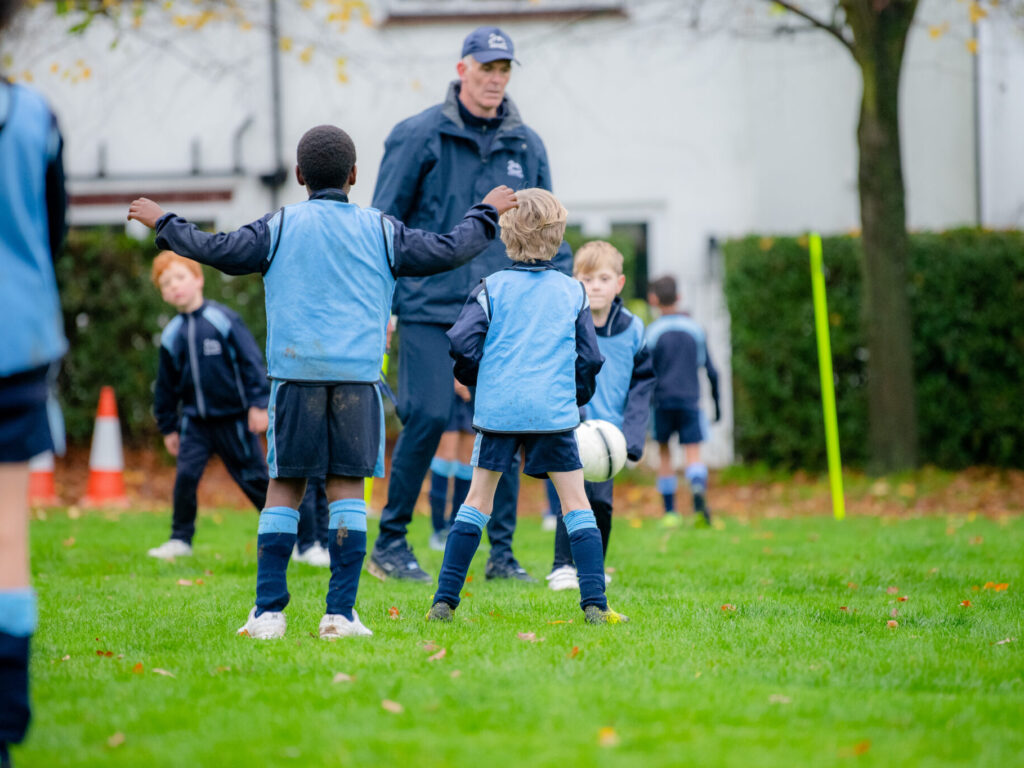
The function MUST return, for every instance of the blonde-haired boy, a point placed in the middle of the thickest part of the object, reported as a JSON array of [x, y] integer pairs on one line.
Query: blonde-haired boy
[[623, 391], [525, 339]]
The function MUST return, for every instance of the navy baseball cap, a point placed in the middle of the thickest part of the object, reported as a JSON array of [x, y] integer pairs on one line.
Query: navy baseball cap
[[488, 44]]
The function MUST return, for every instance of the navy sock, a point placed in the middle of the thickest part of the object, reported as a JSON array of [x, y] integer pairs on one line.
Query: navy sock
[[463, 541], [17, 623], [587, 553], [347, 546], [275, 539], [667, 485], [438, 499]]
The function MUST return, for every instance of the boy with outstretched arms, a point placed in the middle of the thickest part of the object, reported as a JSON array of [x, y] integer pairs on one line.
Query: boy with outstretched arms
[[329, 269], [624, 387], [210, 396], [526, 340], [679, 349]]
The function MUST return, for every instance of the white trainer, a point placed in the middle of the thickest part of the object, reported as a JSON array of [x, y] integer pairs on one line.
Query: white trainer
[[269, 625], [437, 540], [316, 555], [549, 522], [334, 625], [563, 578], [171, 549]]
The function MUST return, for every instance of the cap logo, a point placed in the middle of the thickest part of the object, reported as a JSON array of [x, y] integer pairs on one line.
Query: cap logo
[[496, 41]]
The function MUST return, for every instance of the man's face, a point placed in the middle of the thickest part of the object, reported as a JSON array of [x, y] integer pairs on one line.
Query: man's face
[[483, 85], [181, 288], [602, 287]]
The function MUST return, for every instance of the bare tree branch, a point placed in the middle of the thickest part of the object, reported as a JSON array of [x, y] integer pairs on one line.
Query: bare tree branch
[[833, 29]]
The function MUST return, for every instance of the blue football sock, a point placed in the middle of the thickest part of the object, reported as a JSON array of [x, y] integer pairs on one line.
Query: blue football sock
[[463, 541], [275, 539], [697, 476], [588, 554], [667, 485], [438, 499], [347, 546], [463, 478], [18, 611]]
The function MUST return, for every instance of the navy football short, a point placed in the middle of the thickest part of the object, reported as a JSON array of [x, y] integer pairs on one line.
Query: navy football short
[[324, 429], [550, 452], [461, 418], [689, 423], [30, 422]]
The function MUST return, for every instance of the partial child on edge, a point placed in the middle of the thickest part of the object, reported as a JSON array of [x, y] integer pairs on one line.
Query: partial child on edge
[[329, 269], [679, 349], [210, 397], [623, 392], [525, 339]]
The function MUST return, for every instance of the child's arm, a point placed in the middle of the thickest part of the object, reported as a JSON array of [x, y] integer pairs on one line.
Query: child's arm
[[165, 400], [241, 252], [638, 402], [588, 355], [468, 334], [418, 252], [713, 381]]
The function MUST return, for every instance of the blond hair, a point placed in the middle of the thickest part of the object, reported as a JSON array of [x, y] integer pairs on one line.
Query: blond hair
[[534, 230], [595, 256], [166, 258]]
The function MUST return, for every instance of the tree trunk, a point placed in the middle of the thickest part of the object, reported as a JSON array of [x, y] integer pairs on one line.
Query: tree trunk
[[892, 410]]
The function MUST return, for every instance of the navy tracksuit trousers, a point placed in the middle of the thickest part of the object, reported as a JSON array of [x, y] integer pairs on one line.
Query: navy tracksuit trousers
[[425, 385], [239, 449]]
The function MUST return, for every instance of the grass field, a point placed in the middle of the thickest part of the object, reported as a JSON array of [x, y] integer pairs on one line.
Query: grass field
[[758, 643]]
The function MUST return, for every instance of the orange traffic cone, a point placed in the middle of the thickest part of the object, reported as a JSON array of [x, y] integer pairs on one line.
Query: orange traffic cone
[[42, 491], [106, 462]]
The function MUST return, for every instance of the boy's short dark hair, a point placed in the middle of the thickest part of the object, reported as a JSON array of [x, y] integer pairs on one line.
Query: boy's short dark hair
[[664, 290], [326, 155], [7, 10]]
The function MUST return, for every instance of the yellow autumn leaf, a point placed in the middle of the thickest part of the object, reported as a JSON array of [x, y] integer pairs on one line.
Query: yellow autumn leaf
[[976, 13], [286, 44], [972, 46], [307, 54]]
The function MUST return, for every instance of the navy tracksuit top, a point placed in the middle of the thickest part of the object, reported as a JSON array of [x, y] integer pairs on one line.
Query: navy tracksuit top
[[679, 348]]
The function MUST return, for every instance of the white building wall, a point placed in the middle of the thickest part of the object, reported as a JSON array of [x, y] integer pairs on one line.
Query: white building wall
[[717, 132]]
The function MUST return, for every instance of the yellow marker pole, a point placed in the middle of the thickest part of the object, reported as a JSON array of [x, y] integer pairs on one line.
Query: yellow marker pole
[[368, 482], [828, 392]]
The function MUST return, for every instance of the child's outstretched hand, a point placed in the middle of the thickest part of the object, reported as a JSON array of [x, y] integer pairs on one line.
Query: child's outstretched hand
[[145, 211], [503, 198]]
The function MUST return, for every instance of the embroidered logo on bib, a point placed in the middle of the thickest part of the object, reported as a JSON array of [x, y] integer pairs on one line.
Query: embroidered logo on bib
[[211, 347], [515, 169]]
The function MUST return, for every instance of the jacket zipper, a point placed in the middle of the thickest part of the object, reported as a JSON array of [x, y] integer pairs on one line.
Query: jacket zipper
[[194, 360]]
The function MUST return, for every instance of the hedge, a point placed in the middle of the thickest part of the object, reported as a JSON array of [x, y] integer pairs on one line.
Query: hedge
[[967, 297]]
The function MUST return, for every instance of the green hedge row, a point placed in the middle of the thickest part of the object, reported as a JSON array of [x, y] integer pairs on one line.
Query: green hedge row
[[113, 315], [967, 296]]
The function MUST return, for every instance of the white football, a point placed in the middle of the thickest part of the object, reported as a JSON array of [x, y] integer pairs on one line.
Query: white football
[[602, 449]]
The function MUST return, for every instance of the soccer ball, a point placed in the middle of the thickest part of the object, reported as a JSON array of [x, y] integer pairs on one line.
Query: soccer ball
[[602, 449]]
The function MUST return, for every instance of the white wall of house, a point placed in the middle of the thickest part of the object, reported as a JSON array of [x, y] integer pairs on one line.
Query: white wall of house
[[714, 132]]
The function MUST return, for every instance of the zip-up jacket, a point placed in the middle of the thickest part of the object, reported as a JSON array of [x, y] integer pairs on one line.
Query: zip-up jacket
[[679, 349], [434, 167], [626, 381], [210, 367], [525, 338], [329, 269], [32, 212]]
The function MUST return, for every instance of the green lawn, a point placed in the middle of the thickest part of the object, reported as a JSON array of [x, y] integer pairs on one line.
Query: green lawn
[[739, 652]]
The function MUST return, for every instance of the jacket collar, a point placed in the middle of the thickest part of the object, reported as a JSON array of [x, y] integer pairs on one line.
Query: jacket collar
[[619, 319], [511, 125], [331, 193], [522, 266]]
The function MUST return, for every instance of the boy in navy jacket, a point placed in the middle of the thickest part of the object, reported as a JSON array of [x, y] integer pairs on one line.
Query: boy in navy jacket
[[624, 387], [679, 349], [210, 398], [329, 269], [525, 339]]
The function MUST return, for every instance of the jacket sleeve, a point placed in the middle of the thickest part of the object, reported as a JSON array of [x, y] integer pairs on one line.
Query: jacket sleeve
[[588, 356], [56, 193], [638, 402], [418, 252], [406, 161], [241, 252], [250, 363], [713, 381], [165, 394], [468, 334]]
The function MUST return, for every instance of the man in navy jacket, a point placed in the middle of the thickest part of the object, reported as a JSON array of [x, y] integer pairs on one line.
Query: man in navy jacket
[[435, 165]]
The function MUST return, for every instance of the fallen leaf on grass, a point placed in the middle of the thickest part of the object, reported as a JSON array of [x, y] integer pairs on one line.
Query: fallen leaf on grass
[[728, 607], [467, 594], [341, 677], [902, 598], [1004, 642], [975, 540], [607, 737], [844, 608], [851, 585], [560, 621], [861, 747], [430, 646], [892, 590], [894, 613], [469, 578], [184, 582], [574, 652], [892, 624], [66, 657], [138, 669], [164, 672], [778, 698], [456, 673], [636, 522], [965, 603], [392, 706], [116, 740], [69, 542], [393, 612], [74, 513], [108, 654], [438, 656], [529, 637], [996, 587]]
